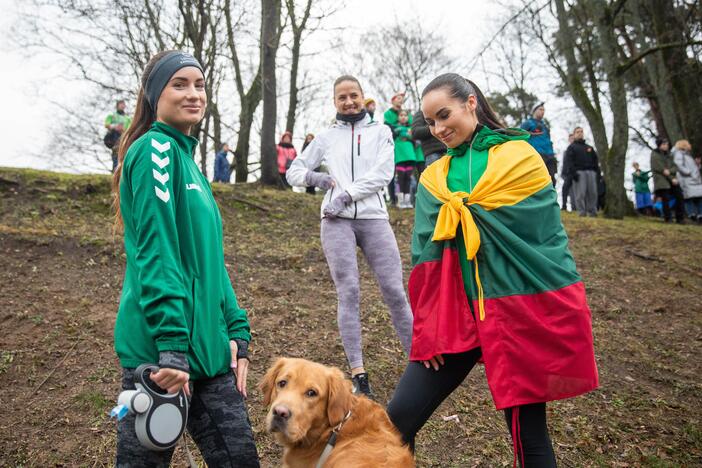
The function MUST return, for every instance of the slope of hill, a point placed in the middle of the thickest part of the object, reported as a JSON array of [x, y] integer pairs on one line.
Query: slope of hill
[[61, 270]]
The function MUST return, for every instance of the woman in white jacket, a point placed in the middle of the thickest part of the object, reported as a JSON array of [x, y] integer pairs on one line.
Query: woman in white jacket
[[359, 154], [689, 178]]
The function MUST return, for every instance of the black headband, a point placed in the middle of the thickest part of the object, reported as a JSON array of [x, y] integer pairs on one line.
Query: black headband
[[163, 70]]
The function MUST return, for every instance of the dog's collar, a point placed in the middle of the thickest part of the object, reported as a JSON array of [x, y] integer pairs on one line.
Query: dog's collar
[[331, 441]]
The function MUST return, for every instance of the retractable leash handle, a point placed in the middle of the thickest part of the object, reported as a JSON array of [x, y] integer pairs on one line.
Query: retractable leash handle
[[160, 417]]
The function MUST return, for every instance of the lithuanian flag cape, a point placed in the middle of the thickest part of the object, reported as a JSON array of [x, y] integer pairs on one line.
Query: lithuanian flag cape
[[527, 310]]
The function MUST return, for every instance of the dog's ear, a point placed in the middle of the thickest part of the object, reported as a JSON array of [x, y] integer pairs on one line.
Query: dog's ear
[[268, 381], [340, 398]]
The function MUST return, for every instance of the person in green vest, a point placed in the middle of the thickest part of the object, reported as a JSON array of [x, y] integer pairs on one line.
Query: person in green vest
[[405, 159], [642, 192], [116, 124], [178, 307], [493, 280]]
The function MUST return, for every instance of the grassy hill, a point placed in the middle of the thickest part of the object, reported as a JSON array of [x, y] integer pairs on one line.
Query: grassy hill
[[61, 270]]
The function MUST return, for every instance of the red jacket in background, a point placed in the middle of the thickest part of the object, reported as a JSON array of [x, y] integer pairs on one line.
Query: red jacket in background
[[286, 154]]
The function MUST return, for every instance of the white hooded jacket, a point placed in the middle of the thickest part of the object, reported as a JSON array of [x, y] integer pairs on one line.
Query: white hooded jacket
[[360, 158]]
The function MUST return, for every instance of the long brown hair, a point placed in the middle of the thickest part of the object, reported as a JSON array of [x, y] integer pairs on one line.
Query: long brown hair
[[143, 118], [461, 88]]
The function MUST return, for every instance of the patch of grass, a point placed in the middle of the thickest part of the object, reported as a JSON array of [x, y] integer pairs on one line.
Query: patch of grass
[[6, 358], [93, 401]]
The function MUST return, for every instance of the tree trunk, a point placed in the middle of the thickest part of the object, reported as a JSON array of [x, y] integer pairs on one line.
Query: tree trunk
[[616, 154], [270, 29], [249, 102], [566, 40], [204, 130], [298, 29], [217, 124], [241, 153], [292, 102]]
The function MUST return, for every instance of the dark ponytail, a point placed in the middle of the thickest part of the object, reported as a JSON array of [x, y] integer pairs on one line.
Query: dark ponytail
[[461, 88], [143, 118]]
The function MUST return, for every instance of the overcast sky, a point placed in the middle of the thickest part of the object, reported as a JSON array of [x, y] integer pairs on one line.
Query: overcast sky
[[29, 83]]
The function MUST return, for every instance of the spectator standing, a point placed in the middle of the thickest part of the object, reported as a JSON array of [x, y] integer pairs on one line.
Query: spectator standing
[[405, 159], [642, 193], [690, 179], [431, 146], [541, 138], [567, 190], [116, 124], [665, 183], [392, 115], [286, 155], [222, 169], [370, 107], [584, 170]]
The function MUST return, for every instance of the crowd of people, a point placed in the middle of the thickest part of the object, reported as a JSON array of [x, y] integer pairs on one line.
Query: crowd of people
[[674, 173]]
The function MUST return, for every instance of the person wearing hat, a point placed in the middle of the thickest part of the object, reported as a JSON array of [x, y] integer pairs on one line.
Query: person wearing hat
[[665, 182], [392, 115], [541, 138], [369, 104], [178, 307]]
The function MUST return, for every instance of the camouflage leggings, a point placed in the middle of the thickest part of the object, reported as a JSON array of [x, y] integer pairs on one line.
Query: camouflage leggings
[[217, 421]]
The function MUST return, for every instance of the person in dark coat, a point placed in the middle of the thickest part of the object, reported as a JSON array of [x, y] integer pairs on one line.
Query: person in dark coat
[[584, 169], [566, 191], [222, 169], [432, 148], [665, 182]]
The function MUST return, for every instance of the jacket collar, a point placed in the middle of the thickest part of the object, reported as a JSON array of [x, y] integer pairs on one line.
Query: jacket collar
[[367, 120], [484, 138], [186, 142]]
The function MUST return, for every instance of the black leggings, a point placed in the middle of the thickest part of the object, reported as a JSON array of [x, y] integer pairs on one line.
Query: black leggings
[[217, 422], [675, 193], [404, 177], [421, 390]]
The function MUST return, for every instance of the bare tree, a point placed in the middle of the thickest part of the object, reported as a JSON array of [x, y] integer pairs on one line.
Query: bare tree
[[249, 98], [401, 56], [270, 38]]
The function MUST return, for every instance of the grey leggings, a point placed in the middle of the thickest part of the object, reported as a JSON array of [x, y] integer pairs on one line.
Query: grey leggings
[[377, 241], [217, 421]]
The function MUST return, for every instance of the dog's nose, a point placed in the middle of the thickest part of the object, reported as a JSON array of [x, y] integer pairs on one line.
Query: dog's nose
[[281, 412]]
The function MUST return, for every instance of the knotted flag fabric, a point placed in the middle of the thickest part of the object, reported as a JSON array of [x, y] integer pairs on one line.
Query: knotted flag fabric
[[523, 302]]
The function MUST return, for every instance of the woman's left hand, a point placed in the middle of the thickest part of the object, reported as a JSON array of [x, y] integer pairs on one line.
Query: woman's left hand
[[241, 367]]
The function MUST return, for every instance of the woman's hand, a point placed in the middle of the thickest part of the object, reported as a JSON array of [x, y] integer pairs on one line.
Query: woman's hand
[[171, 380], [320, 179], [241, 367], [434, 362]]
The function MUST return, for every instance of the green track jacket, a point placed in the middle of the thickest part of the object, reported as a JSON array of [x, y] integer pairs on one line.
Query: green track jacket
[[177, 295]]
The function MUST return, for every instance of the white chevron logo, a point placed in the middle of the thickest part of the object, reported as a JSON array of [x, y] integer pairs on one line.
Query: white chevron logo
[[162, 178], [161, 163], [161, 147], [163, 195]]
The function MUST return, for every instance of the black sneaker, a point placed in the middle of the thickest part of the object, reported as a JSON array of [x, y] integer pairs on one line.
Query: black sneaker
[[361, 385]]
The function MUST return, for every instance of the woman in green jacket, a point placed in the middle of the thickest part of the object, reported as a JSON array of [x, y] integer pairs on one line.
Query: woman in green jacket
[[178, 307]]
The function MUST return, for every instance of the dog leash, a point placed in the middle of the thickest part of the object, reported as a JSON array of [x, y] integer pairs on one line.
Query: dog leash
[[331, 442]]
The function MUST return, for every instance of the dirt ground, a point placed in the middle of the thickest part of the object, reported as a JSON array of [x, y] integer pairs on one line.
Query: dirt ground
[[61, 271]]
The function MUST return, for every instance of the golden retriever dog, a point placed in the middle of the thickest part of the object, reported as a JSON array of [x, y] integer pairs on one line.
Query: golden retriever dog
[[307, 401]]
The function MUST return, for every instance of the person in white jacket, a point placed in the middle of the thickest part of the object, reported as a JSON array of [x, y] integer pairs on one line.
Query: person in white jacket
[[689, 178], [359, 154]]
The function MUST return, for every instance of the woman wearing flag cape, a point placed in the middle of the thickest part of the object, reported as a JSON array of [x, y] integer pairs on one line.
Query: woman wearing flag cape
[[493, 279]]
